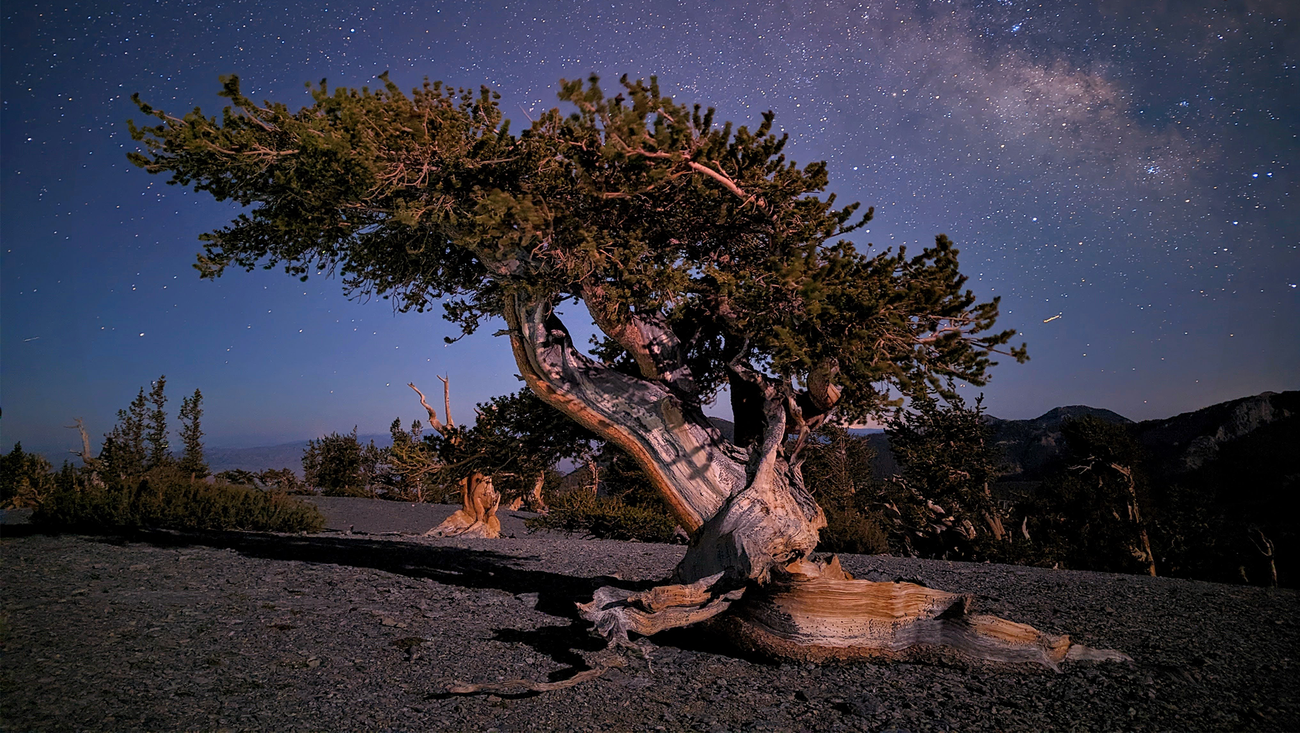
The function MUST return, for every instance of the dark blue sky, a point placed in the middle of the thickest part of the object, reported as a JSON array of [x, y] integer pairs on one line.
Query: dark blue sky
[[1127, 166]]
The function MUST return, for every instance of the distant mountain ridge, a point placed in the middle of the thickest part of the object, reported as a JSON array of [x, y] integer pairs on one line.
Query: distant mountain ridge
[[284, 455], [1033, 448], [1175, 444]]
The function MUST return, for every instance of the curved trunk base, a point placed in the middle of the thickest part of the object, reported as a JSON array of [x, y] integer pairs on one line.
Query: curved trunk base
[[816, 612]]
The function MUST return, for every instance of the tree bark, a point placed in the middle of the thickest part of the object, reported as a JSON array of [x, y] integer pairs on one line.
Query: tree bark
[[749, 569], [477, 516], [536, 502]]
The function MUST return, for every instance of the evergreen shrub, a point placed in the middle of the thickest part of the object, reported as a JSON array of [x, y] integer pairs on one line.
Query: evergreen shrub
[[604, 517], [165, 499]]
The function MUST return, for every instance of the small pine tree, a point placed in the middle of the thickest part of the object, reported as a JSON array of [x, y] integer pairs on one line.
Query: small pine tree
[[25, 478], [942, 497], [156, 426], [338, 465], [123, 452], [192, 436]]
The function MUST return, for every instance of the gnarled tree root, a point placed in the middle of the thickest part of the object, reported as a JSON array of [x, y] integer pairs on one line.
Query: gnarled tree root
[[522, 686], [815, 611]]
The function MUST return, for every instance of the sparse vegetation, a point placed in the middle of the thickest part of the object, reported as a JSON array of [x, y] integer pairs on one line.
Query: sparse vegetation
[[604, 517], [135, 483], [164, 498], [25, 478]]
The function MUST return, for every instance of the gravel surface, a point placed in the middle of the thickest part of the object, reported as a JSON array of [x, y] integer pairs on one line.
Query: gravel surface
[[365, 632]]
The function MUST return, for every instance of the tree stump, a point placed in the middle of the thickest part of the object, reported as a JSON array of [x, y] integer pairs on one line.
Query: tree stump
[[477, 516]]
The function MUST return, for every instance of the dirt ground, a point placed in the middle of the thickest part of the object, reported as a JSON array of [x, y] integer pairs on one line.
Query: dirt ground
[[365, 628]]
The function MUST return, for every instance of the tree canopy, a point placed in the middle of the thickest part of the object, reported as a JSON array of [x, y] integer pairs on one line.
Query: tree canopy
[[705, 257], [640, 206]]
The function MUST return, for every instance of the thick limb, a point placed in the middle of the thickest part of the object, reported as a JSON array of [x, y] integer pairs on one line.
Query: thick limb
[[681, 453]]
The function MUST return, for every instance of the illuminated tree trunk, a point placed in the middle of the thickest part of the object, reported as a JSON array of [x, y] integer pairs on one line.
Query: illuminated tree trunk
[[753, 523], [477, 516], [536, 502]]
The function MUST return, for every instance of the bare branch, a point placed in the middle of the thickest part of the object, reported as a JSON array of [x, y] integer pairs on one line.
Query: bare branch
[[433, 414]]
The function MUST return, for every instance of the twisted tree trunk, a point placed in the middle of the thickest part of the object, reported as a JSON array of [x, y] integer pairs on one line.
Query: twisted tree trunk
[[477, 516], [754, 525]]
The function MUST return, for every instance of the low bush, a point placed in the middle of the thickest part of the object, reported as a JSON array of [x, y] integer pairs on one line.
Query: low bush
[[164, 499], [854, 531], [604, 517], [25, 479]]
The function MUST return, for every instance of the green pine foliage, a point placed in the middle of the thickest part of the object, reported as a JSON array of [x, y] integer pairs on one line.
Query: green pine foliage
[[837, 470], [191, 415], [123, 451], [159, 450], [1080, 517], [25, 479], [339, 465], [637, 201], [942, 502], [604, 517], [515, 439], [626, 508]]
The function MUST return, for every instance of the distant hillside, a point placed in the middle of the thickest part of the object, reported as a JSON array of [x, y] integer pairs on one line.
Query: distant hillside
[[1188, 441], [285, 455], [1175, 445], [1030, 447]]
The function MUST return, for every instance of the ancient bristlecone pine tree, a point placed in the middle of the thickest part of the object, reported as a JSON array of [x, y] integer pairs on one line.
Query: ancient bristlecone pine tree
[[707, 260], [477, 516]]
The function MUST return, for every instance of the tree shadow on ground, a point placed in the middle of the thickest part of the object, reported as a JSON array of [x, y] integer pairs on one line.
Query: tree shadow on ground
[[557, 594]]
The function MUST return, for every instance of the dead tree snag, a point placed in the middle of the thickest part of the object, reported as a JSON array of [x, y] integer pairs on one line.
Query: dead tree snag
[[477, 516]]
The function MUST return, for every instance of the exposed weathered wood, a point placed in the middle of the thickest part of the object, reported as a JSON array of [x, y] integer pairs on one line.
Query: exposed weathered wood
[[614, 612], [754, 524], [814, 611], [681, 453], [536, 502], [434, 422], [518, 686], [87, 458], [477, 516]]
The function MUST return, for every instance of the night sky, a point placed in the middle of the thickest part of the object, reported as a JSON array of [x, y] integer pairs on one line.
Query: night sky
[[1123, 174]]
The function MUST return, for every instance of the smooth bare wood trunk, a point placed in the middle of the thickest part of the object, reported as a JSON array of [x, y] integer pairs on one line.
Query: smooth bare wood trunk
[[477, 516], [749, 570]]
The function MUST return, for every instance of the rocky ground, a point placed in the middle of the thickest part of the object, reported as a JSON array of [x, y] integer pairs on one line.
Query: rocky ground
[[366, 631]]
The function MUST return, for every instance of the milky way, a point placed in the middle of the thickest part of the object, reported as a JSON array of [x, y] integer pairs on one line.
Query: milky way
[[1123, 176]]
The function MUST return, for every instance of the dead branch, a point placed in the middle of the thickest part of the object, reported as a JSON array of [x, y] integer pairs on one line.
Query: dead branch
[[86, 458]]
